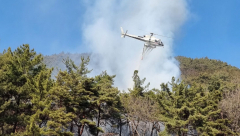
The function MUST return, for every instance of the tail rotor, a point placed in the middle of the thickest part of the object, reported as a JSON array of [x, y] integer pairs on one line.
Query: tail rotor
[[122, 33]]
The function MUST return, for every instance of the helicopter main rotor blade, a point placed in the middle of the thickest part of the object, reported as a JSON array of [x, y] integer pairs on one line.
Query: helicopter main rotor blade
[[163, 36], [156, 34]]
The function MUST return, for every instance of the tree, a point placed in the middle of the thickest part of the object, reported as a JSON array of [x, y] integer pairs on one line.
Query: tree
[[230, 106], [75, 92], [41, 104], [140, 111], [19, 69], [138, 89], [186, 106], [107, 100], [139, 106]]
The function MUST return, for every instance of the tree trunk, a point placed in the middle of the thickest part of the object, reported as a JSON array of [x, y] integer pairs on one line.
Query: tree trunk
[[136, 126], [133, 125], [15, 124], [98, 118], [152, 128], [128, 127], [14, 127], [3, 129], [120, 126], [81, 131], [71, 127]]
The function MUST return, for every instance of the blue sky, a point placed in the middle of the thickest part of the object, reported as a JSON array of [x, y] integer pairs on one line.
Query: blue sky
[[50, 27], [213, 30]]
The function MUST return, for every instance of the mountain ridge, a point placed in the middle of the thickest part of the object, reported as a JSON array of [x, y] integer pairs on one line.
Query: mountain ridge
[[197, 70]]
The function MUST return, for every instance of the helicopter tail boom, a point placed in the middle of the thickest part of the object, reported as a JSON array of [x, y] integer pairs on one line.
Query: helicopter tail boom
[[122, 33]]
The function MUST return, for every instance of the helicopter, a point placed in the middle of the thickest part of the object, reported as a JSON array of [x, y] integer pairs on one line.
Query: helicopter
[[150, 41]]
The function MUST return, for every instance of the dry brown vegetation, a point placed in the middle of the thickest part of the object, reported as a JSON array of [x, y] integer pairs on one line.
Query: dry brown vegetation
[[142, 114], [230, 106]]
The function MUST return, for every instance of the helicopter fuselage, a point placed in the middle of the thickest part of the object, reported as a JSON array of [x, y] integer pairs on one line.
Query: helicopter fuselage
[[148, 39]]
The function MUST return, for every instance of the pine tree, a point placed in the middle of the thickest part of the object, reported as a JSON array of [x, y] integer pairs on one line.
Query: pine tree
[[42, 85], [18, 70], [75, 93], [138, 89], [185, 107], [107, 100]]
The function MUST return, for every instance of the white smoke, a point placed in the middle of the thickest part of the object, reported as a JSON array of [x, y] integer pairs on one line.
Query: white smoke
[[101, 33]]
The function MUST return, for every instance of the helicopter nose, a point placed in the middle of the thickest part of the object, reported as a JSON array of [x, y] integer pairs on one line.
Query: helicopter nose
[[161, 44]]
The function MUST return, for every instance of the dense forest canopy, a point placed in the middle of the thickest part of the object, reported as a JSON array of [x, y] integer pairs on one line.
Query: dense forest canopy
[[205, 101]]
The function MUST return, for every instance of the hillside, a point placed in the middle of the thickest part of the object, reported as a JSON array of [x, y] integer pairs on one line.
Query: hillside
[[56, 60], [204, 70]]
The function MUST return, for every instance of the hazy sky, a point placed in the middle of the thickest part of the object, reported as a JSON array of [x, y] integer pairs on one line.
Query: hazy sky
[[52, 26]]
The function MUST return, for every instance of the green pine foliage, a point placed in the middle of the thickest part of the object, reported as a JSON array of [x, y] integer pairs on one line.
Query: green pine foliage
[[23, 77], [138, 88], [184, 107], [41, 104], [75, 92], [107, 100]]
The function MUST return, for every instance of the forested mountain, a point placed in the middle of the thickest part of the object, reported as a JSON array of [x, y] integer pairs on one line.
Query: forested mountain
[[198, 70], [202, 71], [56, 60], [205, 101]]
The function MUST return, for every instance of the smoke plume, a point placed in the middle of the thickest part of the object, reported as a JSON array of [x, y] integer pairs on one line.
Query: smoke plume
[[121, 56]]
